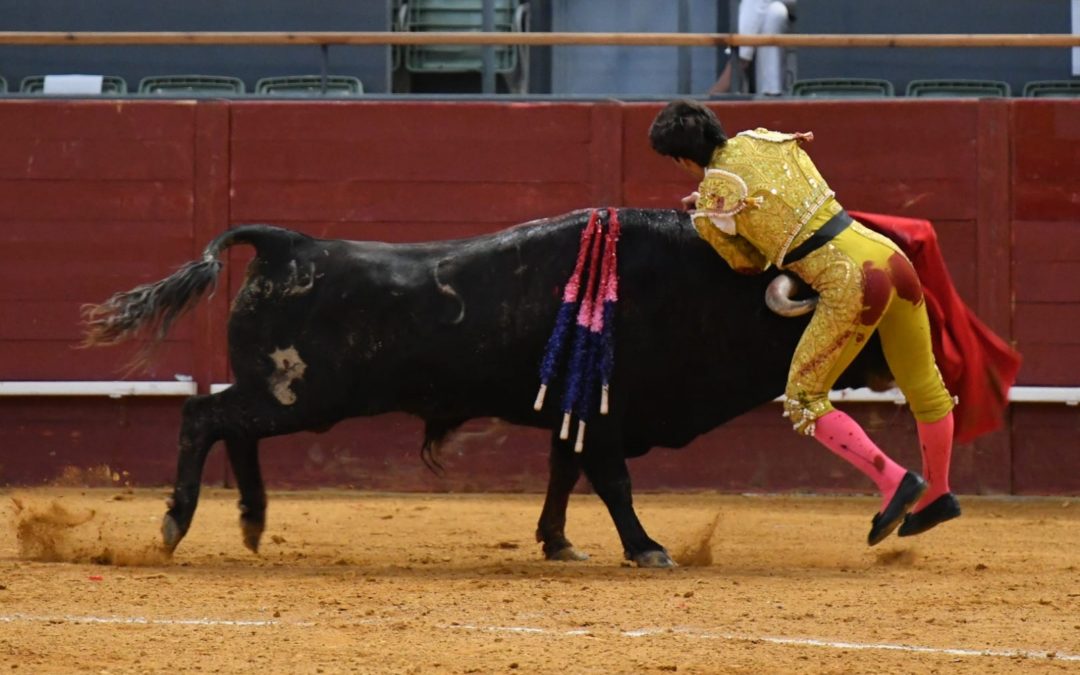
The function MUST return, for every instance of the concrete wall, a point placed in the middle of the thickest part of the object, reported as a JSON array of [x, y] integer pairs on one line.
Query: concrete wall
[[1015, 66], [370, 64], [634, 71], [623, 71]]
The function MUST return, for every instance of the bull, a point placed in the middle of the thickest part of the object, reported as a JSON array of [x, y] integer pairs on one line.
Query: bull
[[323, 330]]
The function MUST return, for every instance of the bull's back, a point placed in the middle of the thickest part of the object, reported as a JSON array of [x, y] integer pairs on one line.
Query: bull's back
[[454, 330]]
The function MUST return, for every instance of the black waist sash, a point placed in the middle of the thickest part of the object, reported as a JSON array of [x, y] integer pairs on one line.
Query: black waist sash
[[824, 234]]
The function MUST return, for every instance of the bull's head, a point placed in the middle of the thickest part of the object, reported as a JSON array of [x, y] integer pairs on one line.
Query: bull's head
[[780, 297]]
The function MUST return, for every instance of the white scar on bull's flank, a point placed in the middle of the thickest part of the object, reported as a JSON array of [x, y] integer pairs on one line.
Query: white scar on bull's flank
[[448, 290], [288, 367], [299, 283]]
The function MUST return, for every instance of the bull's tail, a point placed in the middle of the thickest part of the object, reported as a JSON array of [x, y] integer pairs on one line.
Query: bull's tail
[[149, 311]]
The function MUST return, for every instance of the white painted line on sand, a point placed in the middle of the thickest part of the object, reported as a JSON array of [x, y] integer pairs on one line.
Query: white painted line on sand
[[786, 641], [578, 632]]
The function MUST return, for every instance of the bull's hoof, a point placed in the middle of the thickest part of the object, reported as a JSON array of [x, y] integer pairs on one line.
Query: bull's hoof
[[170, 534], [567, 554], [252, 534], [658, 559]]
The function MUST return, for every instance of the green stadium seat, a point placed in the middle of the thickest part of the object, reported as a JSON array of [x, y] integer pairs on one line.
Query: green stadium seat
[[110, 84], [458, 15], [958, 88], [842, 88], [186, 85], [309, 85], [1052, 89]]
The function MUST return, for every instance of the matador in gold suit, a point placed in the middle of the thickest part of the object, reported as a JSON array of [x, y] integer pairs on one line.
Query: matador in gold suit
[[762, 202]]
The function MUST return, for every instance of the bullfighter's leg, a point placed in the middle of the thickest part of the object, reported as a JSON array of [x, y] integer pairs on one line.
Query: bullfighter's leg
[[562, 477], [244, 459], [606, 470], [860, 277], [199, 430], [905, 337]]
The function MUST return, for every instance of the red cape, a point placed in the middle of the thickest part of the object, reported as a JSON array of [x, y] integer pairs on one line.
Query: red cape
[[978, 366]]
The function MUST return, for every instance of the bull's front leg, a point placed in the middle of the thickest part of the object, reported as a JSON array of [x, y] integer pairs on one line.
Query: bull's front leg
[[606, 469], [563, 475]]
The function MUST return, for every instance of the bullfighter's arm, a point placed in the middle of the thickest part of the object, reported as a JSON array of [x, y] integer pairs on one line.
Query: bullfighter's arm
[[740, 254]]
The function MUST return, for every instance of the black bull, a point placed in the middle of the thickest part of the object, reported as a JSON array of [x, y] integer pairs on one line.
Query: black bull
[[323, 330]]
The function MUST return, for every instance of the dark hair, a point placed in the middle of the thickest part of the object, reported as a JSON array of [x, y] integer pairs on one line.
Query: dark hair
[[687, 129]]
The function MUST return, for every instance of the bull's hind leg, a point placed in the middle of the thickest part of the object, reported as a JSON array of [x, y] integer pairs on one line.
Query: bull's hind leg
[[239, 419], [200, 427], [563, 475], [606, 469], [244, 459]]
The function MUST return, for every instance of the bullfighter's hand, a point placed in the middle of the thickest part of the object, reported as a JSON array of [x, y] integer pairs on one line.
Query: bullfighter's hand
[[689, 202]]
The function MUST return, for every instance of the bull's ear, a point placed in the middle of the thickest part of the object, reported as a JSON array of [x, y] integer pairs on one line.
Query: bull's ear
[[780, 297]]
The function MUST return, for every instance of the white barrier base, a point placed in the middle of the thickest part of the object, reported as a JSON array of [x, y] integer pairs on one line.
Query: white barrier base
[[117, 389], [1068, 395]]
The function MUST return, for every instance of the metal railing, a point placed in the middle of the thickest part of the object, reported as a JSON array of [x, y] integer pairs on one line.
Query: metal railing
[[548, 39], [489, 39]]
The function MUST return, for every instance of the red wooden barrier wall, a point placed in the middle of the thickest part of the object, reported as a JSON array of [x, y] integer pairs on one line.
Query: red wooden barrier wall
[[1045, 214], [100, 196]]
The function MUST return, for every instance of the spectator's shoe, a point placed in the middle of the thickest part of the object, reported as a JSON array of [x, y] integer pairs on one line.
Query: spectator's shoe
[[911, 488], [945, 507]]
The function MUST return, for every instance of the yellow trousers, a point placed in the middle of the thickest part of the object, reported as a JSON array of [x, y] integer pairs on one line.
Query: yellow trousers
[[865, 283]]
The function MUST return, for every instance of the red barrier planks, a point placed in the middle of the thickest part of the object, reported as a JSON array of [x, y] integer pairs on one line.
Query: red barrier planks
[[103, 195], [96, 120], [98, 198], [1045, 144], [411, 122], [406, 202], [99, 441], [877, 156]]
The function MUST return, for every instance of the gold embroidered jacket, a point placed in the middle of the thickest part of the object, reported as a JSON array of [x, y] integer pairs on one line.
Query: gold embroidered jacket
[[759, 192]]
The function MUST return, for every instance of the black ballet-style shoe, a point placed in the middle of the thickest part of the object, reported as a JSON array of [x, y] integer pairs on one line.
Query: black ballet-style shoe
[[946, 507], [911, 488]]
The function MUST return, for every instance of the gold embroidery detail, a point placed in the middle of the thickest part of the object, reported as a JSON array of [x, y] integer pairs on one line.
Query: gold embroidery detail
[[805, 414], [781, 182], [721, 193]]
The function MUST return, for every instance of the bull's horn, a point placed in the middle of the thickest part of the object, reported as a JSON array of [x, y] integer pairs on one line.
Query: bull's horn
[[778, 296]]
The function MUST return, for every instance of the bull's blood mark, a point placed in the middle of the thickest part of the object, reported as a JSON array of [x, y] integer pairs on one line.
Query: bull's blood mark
[[825, 354], [877, 287], [288, 367], [854, 457], [879, 462], [905, 279]]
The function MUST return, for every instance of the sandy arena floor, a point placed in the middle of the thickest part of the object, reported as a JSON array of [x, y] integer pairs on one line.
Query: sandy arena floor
[[352, 582]]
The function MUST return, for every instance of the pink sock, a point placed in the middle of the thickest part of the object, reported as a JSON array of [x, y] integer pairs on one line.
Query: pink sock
[[843, 435], [935, 439]]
